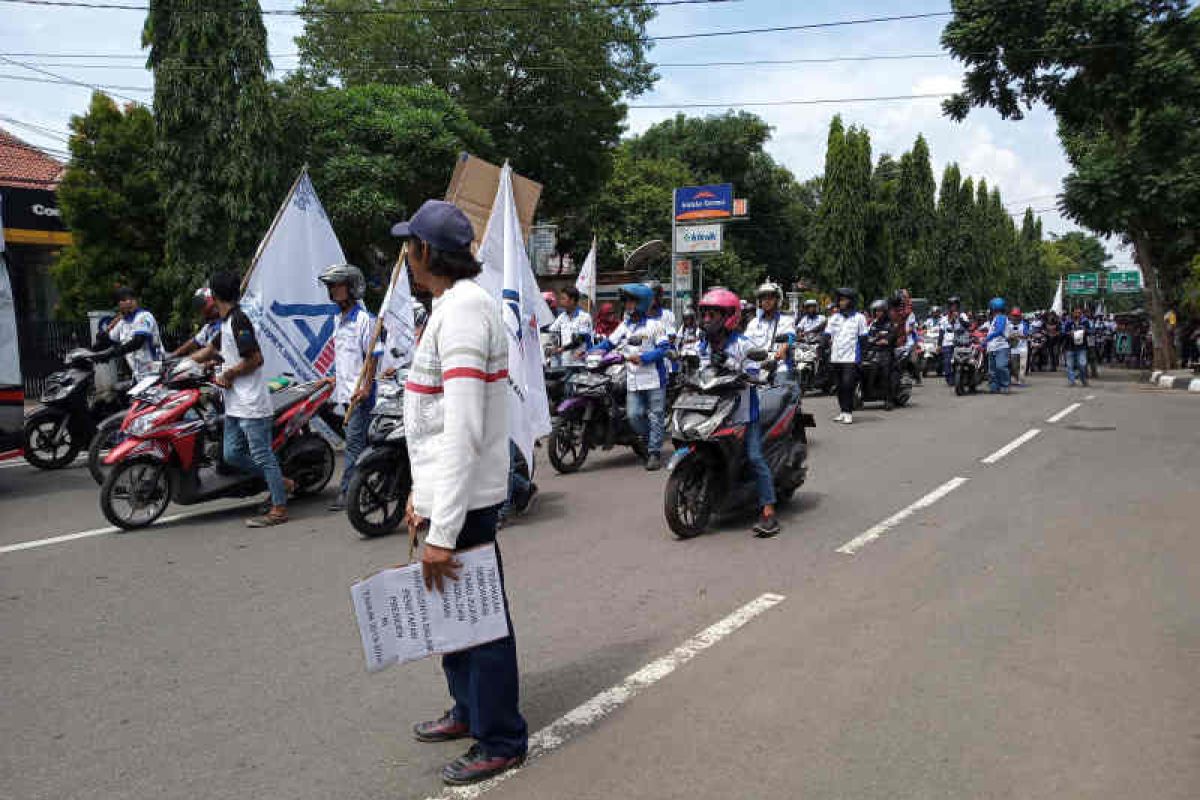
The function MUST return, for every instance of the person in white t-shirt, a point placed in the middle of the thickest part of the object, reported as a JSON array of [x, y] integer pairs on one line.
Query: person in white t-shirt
[[135, 331], [846, 330], [571, 331], [249, 415]]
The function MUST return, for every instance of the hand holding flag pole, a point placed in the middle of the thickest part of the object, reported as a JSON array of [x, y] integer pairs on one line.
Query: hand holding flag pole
[[397, 272]]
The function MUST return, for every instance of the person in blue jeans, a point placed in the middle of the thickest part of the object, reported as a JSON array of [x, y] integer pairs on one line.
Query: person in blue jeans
[[249, 414], [1076, 331], [998, 347], [644, 343]]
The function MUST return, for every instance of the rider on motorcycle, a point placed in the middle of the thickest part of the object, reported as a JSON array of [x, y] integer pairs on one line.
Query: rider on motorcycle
[[646, 376], [202, 301], [720, 310], [770, 322], [571, 331], [883, 337], [952, 322], [135, 331], [811, 320], [657, 310], [689, 333]]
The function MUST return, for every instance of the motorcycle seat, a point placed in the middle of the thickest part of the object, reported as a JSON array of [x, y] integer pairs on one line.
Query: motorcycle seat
[[771, 403], [284, 399]]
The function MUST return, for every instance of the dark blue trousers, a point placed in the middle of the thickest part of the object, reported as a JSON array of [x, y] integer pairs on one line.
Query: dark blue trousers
[[483, 680]]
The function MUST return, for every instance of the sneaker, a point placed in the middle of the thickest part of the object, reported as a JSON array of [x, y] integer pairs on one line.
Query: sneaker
[[270, 519], [446, 729], [653, 463], [338, 504], [839, 417], [475, 766], [527, 506], [846, 419], [766, 527]]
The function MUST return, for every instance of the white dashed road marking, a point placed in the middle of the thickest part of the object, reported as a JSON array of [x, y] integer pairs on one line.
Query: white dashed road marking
[[858, 542], [574, 722], [1064, 412], [1013, 445]]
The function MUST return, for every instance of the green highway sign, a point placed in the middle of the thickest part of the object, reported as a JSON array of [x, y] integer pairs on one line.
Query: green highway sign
[[1083, 283], [1125, 282]]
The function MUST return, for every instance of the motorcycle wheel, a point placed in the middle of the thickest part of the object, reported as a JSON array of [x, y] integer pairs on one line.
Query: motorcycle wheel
[[136, 493], [960, 384], [108, 435], [687, 502], [568, 445], [905, 394], [45, 450], [312, 476], [376, 497]]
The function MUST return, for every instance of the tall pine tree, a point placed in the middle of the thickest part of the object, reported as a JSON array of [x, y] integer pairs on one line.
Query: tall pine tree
[[882, 273], [216, 135], [838, 244], [917, 219]]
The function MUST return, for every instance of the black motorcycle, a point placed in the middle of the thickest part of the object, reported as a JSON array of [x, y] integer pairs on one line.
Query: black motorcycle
[[379, 488], [880, 372], [709, 473], [73, 403], [593, 414], [811, 360], [970, 363]]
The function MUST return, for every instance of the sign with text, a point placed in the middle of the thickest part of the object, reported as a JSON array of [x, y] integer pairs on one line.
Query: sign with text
[[698, 239], [704, 202], [399, 620], [1083, 283], [1125, 282]]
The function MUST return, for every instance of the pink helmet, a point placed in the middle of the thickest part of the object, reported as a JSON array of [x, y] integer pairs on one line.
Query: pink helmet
[[725, 301], [551, 300]]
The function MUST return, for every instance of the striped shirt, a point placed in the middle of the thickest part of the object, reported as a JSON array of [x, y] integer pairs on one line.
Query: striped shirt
[[456, 411]]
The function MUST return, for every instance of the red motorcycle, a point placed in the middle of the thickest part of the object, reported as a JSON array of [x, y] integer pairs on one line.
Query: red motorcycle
[[172, 450]]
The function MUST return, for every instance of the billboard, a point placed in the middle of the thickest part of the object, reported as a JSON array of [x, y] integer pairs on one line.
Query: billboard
[[698, 239], [1125, 282], [704, 202], [1083, 282]]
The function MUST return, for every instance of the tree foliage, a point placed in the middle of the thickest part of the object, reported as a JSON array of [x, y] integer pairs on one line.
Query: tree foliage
[[216, 136], [1123, 79], [110, 201], [547, 86]]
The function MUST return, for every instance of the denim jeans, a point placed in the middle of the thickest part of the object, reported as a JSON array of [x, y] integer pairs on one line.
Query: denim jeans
[[764, 482], [356, 441], [998, 377], [948, 365], [519, 479], [247, 446], [483, 680], [646, 409], [1076, 365]]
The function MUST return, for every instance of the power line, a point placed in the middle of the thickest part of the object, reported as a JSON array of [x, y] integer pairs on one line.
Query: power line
[[96, 87], [63, 78], [42, 129], [357, 12]]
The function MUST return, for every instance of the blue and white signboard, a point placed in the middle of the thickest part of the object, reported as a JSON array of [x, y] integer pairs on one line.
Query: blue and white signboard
[[704, 202], [698, 238]]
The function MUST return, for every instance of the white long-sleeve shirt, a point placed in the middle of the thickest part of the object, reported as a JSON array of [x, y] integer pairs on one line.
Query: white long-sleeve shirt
[[456, 411], [844, 331]]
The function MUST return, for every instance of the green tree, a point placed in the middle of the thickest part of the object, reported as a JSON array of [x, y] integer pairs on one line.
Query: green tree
[[1123, 79], [216, 136], [549, 86], [1085, 251], [375, 154], [1032, 288], [839, 239], [916, 203], [110, 201], [953, 265], [882, 273]]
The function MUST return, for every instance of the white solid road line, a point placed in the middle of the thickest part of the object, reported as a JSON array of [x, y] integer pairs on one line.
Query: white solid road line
[[574, 722], [1064, 412], [1013, 445], [871, 534], [70, 537]]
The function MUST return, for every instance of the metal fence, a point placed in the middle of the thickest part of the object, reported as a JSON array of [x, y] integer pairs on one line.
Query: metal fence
[[44, 344]]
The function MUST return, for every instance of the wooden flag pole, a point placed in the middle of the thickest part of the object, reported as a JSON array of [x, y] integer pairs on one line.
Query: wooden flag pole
[[275, 222], [397, 272]]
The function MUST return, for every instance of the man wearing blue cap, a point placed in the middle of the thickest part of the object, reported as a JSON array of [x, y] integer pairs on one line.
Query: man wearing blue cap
[[456, 420]]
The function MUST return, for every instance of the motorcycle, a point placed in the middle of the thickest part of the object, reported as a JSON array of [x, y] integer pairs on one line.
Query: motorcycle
[[111, 430], [812, 366], [970, 363], [382, 476], [593, 414], [931, 354], [875, 384], [1039, 358], [168, 454], [73, 401], [709, 473]]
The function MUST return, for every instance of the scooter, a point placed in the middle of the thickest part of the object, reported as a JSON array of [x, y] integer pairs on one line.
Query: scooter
[[382, 476], [969, 362], [811, 364], [593, 414], [73, 402], [167, 455], [931, 354], [709, 473], [1038, 357], [878, 375]]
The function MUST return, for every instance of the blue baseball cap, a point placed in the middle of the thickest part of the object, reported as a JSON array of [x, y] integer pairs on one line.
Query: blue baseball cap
[[442, 224]]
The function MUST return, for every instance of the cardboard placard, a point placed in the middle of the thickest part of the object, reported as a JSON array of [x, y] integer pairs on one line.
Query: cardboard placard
[[473, 189]]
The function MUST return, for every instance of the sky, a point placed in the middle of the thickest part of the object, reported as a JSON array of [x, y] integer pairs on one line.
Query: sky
[[1023, 158]]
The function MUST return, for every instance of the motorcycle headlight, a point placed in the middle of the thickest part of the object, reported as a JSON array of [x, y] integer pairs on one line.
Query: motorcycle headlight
[[57, 391], [384, 427], [148, 422]]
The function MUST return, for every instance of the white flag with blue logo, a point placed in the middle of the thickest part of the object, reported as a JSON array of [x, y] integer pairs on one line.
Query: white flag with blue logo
[[508, 277], [290, 308], [398, 319]]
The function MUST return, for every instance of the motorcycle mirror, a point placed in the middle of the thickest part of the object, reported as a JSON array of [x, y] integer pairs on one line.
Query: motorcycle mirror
[[757, 355]]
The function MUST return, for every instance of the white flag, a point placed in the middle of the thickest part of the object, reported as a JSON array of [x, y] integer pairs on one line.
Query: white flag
[[508, 277], [585, 284], [398, 320], [1056, 306], [290, 308]]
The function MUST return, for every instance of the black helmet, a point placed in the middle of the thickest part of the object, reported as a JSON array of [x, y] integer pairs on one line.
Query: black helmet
[[878, 305], [895, 301]]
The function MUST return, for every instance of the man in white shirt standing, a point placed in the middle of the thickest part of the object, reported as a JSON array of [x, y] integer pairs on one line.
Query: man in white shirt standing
[[249, 415], [456, 420], [845, 329], [352, 357]]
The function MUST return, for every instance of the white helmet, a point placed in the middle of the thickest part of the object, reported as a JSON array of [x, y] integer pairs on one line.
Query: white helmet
[[770, 287]]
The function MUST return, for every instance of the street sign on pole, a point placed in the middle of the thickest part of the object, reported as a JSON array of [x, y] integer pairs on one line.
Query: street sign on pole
[[1083, 283], [1127, 282], [698, 238]]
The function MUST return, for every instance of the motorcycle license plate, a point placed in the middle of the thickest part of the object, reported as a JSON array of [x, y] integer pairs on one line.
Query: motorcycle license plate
[[696, 402]]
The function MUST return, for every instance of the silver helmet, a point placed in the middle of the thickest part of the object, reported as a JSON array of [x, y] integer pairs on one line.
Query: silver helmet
[[348, 274], [769, 288]]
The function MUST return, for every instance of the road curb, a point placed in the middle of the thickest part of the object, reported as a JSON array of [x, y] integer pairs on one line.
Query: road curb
[[1165, 380]]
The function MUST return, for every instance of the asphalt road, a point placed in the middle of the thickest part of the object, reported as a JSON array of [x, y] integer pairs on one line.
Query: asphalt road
[[1034, 632]]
